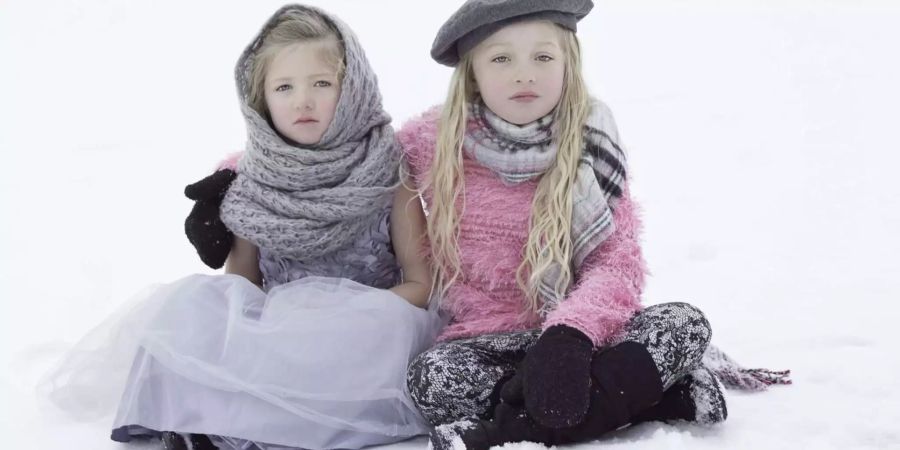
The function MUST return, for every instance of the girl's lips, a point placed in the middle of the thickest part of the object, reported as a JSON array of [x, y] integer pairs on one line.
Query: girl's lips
[[524, 97], [303, 120]]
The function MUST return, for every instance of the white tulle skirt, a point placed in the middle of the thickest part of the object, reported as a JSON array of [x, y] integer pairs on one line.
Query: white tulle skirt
[[315, 363]]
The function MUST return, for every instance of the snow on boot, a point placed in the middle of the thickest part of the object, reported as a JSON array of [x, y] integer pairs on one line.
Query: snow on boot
[[453, 436]]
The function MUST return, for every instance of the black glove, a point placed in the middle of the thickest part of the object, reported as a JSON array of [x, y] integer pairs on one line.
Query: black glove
[[555, 378], [203, 227]]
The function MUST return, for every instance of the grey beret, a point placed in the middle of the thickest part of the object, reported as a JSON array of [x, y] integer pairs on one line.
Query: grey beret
[[476, 20]]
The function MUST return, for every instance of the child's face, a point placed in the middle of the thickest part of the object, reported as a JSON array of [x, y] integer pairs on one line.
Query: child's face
[[520, 71], [302, 90]]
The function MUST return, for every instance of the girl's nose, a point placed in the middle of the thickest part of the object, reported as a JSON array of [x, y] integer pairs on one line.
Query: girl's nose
[[302, 102], [524, 78]]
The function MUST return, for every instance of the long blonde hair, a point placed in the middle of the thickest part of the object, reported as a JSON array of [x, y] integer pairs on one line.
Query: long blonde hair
[[293, 27], [549, 238]]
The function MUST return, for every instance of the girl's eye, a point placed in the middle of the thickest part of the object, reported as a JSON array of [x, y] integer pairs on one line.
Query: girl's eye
[[500, 59], [544, 58], [322, 83], [282, 88]]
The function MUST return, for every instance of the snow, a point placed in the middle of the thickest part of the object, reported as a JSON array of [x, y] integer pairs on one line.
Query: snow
[[762, 137]]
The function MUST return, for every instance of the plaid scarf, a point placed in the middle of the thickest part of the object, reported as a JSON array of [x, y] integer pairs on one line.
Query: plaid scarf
[[519, 153]]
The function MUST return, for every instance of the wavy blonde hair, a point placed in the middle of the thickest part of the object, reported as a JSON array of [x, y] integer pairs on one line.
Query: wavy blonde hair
[[292, 27], [549, 237]]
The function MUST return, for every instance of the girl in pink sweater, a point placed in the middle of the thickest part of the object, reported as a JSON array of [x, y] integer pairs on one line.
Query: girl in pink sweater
[[534, 240]]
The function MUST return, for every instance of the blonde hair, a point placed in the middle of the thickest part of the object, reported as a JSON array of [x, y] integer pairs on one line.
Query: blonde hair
[[549, 237], [292, 27]]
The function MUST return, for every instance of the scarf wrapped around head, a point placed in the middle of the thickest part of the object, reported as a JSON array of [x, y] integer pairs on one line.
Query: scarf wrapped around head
[[518, 153], [308, 201]]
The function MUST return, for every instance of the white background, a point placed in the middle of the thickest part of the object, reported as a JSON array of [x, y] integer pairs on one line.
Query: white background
[[763, 146]]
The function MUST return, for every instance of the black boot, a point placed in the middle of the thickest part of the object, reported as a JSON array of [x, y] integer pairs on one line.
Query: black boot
[[510, 424], [696, 397], [202, 442], [466, 433], [625, 382], [176, 441], [173, 441]]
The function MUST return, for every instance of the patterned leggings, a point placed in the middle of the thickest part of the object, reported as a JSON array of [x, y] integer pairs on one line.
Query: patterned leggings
[[461, 378]]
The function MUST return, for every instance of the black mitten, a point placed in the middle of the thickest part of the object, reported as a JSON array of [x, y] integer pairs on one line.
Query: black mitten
[[203, 227], [622, 382], [556, 377]]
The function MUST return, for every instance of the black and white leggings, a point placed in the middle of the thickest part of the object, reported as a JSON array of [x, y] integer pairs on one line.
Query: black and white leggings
[[460, 379]]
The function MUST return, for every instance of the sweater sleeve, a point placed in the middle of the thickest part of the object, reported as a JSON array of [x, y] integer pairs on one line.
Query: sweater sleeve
[[230, 162], [609, 283], [417, 140]]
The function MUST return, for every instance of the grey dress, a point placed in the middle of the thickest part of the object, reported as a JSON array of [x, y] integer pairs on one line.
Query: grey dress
[[369, 260], [315, 360]]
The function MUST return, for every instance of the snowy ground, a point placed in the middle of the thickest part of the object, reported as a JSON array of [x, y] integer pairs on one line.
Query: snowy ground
[[763, 146]]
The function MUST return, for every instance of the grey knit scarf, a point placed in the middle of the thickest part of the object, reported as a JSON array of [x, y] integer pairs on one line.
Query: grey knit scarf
[[308, 201], [519, 153]]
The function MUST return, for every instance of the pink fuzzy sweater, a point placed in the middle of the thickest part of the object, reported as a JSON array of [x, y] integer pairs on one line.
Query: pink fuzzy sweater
[[493, 232]]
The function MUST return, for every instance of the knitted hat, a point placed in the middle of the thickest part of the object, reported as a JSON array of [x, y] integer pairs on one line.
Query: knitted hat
[[477, 20]]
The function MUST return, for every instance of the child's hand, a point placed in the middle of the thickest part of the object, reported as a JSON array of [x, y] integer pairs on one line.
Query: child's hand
[[203, 227], [212, 187]]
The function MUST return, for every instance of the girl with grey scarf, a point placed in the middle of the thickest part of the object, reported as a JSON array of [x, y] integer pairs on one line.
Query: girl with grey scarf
[[304, 342]]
